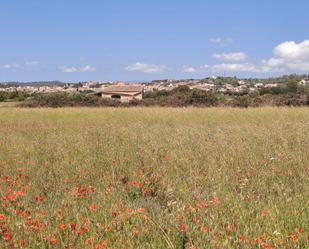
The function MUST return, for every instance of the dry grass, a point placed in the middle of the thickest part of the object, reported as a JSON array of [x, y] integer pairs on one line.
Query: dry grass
[[154, 178]]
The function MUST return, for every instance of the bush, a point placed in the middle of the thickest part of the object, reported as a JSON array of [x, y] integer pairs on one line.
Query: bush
[[178, 97], [68, 100], [3, 96]]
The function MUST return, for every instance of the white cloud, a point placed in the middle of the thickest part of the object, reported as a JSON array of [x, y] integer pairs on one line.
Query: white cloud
[[221, 41], [10, 66], [205, 67], [236, 57], [235, 67], [224, 67], [32, 63], [186, 69], [291, 50], [289, 56], [84, 69], [190, 69], [298, 66], [273, 62], [68, 69], [145, 68], [88, 69]]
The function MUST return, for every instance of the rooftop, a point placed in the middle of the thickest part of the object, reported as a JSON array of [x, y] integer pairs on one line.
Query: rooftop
[[123, 88]]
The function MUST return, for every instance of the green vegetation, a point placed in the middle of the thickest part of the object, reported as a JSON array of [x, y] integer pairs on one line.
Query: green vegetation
[[289, 94], [154, 178], [13, 96]]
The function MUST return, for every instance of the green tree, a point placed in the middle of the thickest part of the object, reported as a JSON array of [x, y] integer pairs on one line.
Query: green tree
[[292, 86]]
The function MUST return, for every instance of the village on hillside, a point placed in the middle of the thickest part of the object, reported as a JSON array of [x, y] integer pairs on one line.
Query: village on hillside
[[285, 90], [216, 84]]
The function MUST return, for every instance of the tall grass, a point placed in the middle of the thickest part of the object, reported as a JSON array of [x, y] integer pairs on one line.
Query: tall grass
[[154, 178]]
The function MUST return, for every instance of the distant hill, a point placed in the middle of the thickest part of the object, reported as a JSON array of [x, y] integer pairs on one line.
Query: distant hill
[[34, 83]]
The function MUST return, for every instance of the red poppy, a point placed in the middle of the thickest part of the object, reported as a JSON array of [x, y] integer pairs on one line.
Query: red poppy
[[6, 236], [53, 241], [264, 213], [242, 238], [213, 200], [61, 226], [293, 236], [204, 229], [92, 208], [11, 198], [183, 228], [22, 243], [141, 210], [299, 230], [73, 226], [266, 245], [146, 191]]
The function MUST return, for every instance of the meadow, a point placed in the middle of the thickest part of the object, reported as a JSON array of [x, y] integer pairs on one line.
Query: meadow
[[154, 178]]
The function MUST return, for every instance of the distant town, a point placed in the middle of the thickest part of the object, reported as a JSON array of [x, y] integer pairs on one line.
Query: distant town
[[290, 90], [216, 84]]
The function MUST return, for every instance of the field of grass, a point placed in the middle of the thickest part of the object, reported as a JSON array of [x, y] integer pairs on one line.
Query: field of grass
[[8, 104], [154, 178]]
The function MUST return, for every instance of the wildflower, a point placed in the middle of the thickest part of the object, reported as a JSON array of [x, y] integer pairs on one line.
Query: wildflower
[[202, 204], [191, 209], [196, 219], [146, 191], [103, 244], [134, 183], [233, 227], [299, 230], [92, 208], [256, 240], [22, 243], [38, 198], [136, 232], [88, 241], [2, 217], [6, 236], [141, 210], [114, 214], [11, 198], [280, 242], [242, 238], [183, 228], [53, 241], [61, 226], [85, 228], [204, 229], [266, 245], [264, 213], [73, 226], [213, 200], [293, 236], [131, 211], [22, 215]]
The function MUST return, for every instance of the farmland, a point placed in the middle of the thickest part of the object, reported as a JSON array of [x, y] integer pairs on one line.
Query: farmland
[[154, 178]]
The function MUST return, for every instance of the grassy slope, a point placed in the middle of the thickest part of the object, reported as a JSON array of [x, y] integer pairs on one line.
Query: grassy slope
[[249, 167]]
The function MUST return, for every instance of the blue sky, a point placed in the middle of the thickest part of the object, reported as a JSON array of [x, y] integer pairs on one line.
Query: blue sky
[[143, 40]]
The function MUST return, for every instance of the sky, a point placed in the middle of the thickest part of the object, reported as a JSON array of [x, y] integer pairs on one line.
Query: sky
[[139, 40]]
